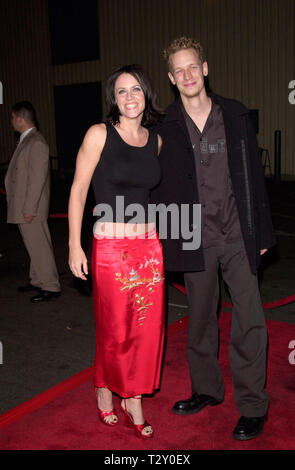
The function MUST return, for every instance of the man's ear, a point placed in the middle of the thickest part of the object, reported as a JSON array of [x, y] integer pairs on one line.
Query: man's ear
[[171, 78], [205, 69]]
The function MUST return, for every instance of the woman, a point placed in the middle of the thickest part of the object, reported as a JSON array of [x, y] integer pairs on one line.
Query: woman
[[120, 157]]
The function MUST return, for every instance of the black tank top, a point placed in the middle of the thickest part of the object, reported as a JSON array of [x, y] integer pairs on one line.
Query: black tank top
[[124, 175]]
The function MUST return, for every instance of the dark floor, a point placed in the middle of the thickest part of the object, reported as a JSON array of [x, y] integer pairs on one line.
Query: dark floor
[[45, 344]]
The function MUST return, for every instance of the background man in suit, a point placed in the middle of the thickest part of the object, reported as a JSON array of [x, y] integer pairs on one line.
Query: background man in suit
[[210, 157], [27, 185]]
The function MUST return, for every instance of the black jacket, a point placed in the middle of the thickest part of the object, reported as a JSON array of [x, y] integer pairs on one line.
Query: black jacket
[[179, 184]]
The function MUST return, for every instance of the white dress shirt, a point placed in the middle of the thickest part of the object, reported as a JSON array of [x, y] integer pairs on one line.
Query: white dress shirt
[[23, 135]]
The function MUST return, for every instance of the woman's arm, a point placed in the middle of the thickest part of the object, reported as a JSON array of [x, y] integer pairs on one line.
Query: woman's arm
[[87, 160], [159, 144]]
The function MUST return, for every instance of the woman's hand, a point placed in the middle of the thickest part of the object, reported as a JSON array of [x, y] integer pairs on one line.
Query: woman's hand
[[78, 263]]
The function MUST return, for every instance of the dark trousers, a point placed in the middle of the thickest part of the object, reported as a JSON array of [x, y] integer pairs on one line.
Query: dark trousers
[[248, 341]]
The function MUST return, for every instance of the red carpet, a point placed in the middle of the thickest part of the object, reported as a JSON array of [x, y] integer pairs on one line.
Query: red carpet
[[70, 422]]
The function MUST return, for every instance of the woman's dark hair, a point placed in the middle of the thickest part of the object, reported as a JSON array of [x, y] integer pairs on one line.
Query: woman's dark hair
[[152, 112]]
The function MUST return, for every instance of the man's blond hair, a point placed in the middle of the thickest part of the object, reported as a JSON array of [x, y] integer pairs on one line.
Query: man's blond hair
[[180, 44]]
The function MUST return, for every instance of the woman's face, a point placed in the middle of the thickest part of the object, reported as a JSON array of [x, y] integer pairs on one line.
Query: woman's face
[[129, 96]]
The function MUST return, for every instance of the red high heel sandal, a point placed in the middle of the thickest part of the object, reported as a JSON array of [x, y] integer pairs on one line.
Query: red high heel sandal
[[138, 428], [104, 414]]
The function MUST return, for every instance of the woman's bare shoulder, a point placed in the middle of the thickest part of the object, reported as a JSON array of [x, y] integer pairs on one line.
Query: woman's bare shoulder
[[96, 135], [97, 131]]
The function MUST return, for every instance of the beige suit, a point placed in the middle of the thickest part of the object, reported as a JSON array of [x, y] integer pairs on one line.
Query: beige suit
[[27, 184]]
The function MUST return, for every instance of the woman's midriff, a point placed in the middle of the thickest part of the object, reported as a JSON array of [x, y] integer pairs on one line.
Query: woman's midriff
[[118, 229]]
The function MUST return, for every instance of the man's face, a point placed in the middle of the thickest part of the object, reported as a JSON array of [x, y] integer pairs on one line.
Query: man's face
[[16, 122], [187, 72]]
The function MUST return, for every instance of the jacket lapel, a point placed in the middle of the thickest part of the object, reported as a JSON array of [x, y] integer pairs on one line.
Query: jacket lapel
[[233, 131], [16, 154], [11, 165], [175, 115]]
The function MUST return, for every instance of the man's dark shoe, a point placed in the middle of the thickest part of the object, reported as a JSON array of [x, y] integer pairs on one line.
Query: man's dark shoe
[[28, 288], [248, 428], [45, 295], [194, 404]]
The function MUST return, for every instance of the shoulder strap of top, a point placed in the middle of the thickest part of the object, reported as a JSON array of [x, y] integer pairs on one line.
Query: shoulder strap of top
[[154, 139], [108, 124], [110, 129]]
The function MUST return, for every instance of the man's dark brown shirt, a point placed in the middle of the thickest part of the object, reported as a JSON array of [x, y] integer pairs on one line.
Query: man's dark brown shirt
[[220, 220]]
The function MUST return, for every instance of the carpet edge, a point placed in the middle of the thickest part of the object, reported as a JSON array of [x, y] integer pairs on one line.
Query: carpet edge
[[44, 398], [59, 389]]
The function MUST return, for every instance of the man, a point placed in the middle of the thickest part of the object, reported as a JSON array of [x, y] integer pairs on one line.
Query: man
[[27, 185], [210, 157]]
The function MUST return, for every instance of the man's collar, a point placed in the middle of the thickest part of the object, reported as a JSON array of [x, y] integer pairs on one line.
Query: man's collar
[[25, 133], [229, 106]]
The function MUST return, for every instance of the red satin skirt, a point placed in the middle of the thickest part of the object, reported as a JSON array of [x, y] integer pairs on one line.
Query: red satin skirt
[[128, 294]]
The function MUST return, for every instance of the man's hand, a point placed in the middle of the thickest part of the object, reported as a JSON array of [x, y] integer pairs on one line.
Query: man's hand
[[28, 218], [263, 251]]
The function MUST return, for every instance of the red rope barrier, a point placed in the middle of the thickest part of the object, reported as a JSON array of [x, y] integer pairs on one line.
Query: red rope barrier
[[58, 216], [51, 216], [268, 305], [279, 303]]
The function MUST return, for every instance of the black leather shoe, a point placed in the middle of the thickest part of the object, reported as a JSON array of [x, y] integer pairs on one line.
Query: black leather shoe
[[194, 404], [248, 428], [44, 296], [28, 288]]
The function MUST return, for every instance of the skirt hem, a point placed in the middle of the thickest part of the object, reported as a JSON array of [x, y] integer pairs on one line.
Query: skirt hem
[[129, 394]]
